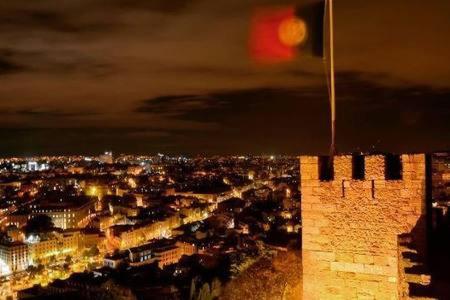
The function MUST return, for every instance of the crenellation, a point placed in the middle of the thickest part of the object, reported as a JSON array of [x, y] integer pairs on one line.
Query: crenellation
[[351, 226], [375, 167], [342, 168]]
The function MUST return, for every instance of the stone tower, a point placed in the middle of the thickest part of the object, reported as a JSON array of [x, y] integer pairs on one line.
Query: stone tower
[[352, 218]]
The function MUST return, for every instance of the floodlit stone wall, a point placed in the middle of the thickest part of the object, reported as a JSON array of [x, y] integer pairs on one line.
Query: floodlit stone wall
[[351, 227]]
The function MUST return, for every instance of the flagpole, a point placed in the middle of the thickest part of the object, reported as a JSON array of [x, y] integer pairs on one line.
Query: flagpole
[[332, 81]]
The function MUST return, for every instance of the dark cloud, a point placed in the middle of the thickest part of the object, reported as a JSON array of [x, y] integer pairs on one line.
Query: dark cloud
[[7, 66], [79, 17], [173, 6], [220, 106], [39, 20], [371, 116], [179, 105], [42, 112], [39, 112], [61, 62]]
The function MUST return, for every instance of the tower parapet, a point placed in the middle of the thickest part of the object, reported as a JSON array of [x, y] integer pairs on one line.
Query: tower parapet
[[353, 210]]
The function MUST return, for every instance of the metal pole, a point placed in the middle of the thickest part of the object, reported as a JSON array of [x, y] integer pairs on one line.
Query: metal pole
[[332, 81]]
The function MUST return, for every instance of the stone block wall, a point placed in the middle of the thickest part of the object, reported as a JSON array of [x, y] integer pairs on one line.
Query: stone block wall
[[351, 227]]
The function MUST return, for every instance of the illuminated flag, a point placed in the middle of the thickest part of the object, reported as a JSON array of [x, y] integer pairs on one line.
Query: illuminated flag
[[278, 34]]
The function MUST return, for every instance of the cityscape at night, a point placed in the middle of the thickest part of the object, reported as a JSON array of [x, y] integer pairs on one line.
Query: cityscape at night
[[224, 150], [175, 227], [131, 225]]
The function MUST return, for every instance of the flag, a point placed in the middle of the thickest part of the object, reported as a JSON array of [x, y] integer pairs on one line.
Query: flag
[[279, 34]]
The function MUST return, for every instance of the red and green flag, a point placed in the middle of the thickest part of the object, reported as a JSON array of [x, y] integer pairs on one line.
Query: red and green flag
[[279, 34]]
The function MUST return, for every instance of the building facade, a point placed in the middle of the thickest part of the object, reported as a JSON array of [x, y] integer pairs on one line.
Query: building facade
[[53, 245], [13, 257], [138, 234], [66, 216], [164, 252]]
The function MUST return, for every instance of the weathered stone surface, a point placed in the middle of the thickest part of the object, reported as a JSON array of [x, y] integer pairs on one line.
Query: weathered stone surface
[[351, 227]]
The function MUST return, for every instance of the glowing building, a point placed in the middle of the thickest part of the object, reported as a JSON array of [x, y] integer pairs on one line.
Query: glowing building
[[13, 257], [165, 252], [54, 244], [128, 236], [66, 214], [106, 158]]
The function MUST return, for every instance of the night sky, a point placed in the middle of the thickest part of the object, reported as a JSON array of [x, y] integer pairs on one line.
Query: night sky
[[84, 76]]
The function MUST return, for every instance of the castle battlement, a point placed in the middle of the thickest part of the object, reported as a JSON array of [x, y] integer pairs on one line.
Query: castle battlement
[[375, 167], [353, 210]]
